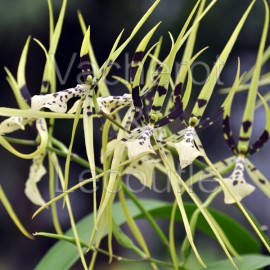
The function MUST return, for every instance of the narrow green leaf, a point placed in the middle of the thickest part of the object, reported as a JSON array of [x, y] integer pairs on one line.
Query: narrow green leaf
[[246, 262], [242, 240]]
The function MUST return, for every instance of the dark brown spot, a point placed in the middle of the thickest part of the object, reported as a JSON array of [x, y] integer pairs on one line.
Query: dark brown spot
[[138, 56], [262, 181], [161, 90], [246, 125], [201, 102], [244, 139], [156, 108]]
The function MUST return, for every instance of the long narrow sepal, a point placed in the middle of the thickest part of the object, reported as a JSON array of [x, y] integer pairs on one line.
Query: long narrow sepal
[[248, 116]]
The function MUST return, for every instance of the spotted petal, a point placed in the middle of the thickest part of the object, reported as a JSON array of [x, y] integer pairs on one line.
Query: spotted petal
[[109, 104], [237, 184], [37, 171], [140, 145], [57, 102], [142, 169], [12, 124], [186, 148]]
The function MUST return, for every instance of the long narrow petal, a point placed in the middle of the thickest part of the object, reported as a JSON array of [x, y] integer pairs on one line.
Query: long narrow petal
[[57, 102], [13, 123], [109, 104]]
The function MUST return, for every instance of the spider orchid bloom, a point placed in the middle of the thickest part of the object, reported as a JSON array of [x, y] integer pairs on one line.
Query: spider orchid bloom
[[237, 183], [243, 148], [186, 148], [143, 168], [13, 123]]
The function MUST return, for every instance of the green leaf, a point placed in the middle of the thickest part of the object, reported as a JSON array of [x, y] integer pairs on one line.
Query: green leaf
[[248, 262], [51, 259], [242, 240]]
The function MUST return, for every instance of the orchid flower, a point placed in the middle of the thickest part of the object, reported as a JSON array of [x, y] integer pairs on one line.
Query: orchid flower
[[243, 149]]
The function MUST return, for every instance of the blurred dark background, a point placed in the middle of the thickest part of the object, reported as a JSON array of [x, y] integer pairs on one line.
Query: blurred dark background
[[19, 19]]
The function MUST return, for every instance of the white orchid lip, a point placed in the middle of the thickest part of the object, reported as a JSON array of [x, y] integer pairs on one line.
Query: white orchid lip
[[237, 183], [142, 169], [142, 144], [186, 148]]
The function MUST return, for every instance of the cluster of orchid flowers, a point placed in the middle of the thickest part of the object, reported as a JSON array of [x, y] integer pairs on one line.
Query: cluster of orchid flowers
[[143, 134]]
